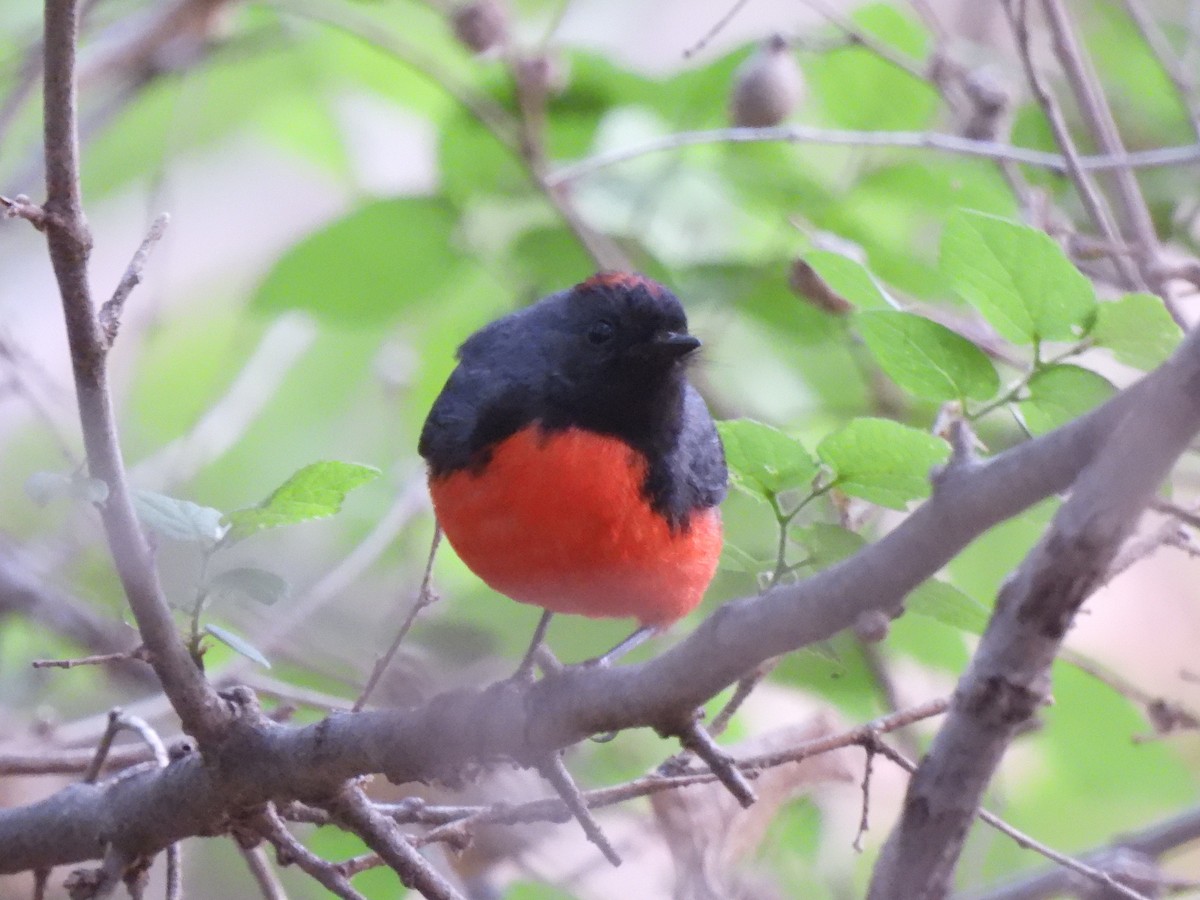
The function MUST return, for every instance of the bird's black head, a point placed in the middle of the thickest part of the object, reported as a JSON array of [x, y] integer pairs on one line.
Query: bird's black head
[[620, 342]]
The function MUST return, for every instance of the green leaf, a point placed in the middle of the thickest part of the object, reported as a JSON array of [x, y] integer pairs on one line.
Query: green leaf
[[847, 278], [738, 560], [178, 520], [827, 544], [764, 461], [1062, 393], [882, 461], [1017, 277], [238, 643], [927, 359], [1138, 330], [258, 585], [314, 492], [943, 601], [367, 267]]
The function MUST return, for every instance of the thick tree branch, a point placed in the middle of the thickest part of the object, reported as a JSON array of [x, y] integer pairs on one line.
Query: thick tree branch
[[70, 244], [261, 760], [1009, 676]]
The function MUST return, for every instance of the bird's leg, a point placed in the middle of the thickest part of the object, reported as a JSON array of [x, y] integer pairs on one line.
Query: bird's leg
[[525, 670], [636, 639]]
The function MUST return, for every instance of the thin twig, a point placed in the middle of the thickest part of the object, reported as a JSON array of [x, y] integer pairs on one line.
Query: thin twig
[[716, 29], [870, 747], [911, 140], [741, 693], [40, 878], [696, 739], [268, 882], [1168, 59], [425, 597], [356, 813], [70, 242], [110, 312], [137, 653], [1022, 839], [555, 772], [290, 851], [1093, 200], [21, 207], [114, 725]]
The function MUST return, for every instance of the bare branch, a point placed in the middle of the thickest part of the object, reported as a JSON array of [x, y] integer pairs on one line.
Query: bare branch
[[110, 312], [21, 207], [70, 245], [137, 653], [1152, 842], [355, 812], [290, 851], [560, 779], [910, 140], [268, 882], [425, 597], [1093, 200]]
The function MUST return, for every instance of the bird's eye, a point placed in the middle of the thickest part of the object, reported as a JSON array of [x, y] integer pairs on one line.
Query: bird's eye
[[601, 332]]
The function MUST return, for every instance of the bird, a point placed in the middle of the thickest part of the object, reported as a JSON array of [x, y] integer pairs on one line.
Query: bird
[[573, 466]]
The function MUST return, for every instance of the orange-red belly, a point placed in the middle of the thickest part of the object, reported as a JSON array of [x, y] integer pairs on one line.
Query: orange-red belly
[[559, 520]]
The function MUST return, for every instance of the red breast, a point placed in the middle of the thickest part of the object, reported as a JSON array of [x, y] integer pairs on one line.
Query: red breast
[[560, 520]]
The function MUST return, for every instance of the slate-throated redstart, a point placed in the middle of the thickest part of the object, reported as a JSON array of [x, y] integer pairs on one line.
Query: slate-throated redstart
[[573, 466]]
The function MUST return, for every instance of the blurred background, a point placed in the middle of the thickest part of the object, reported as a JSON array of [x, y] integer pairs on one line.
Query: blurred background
[[354, 187]]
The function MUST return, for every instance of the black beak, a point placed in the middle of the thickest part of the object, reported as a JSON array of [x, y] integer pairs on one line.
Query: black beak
[[673, 344]]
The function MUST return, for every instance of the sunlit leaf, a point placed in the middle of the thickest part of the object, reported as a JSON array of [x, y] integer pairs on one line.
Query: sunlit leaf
[[925, 358], [314, 492], [943, 601], [882, 461], [764, 461], [1062, 393], [1017, 277], [1138, 330]]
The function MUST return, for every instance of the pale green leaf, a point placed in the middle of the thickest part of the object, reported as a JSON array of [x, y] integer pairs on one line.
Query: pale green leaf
[[1017, 277], [882, 461], [1138, 330], [925, 358], [764, 461]]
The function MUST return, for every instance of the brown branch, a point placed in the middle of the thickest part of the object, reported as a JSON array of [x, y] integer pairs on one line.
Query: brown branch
[[425, 597], [1093, 200], [560, 779], [901, 140], [1152, 841], [70, 245], [1008, 678], [355, 812], [110, 312], [137, 653], [289, 851], [268, 882]]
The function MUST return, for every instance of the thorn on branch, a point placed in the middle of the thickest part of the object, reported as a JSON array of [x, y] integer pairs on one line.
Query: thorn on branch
[[21, 207], [555, 772], [110, 312], [694, 738]]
